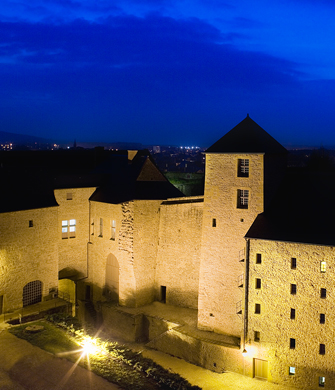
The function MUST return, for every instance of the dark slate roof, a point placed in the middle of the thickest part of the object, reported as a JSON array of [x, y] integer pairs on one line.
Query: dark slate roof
[[247, 137], [140, 179], [29, 178], [302, 211]]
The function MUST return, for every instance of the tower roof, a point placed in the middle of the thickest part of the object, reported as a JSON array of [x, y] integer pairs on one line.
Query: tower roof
[[246, 137]]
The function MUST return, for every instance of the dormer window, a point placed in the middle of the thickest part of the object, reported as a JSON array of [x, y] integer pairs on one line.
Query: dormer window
[[243, 167]]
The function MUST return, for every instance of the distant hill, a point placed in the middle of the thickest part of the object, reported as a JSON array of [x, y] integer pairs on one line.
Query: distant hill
[[21, 139]]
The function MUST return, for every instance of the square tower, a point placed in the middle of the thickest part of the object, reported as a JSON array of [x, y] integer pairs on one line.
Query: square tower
[[243, 170]]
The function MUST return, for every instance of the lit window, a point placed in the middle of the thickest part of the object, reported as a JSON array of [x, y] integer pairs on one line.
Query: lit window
[[242, 199], [113, 230], [243, 167], [69, 229], [322, 318], [293, 263], [291, 371], [258, 283], [323, 266], [292, 316], [101, 227], [292, 343], [322, 381], [257, 308], [258, 258], [214, 222], [257, 336], [293, 289], [322, 350], [323, 293]]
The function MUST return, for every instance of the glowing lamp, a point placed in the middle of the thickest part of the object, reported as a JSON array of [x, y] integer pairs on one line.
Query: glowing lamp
[[89, 347], [244, 352]]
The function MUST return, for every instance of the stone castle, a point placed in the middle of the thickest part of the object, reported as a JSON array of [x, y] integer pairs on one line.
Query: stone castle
[[253, 256]]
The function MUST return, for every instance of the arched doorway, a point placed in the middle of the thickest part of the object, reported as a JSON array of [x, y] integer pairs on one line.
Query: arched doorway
[[32, 293], [112, 278]]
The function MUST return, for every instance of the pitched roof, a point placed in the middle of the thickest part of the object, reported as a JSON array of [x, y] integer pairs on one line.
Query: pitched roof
[[246, 137], [302, 211]]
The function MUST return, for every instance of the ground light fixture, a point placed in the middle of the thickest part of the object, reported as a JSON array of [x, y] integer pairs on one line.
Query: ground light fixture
[[244, 352]]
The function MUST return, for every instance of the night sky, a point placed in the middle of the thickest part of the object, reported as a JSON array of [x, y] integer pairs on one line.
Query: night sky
[[177, 72]]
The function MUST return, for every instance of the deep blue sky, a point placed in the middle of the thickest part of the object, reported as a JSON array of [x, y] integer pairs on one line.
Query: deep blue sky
[[167, 71]]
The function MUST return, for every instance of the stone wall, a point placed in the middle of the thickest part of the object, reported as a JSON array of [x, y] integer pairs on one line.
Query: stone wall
[[28, 252], [274, 323], [224, 226], [178, 258]]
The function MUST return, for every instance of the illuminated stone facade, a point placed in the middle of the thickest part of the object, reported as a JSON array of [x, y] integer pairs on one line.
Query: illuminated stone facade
[[132, 239]]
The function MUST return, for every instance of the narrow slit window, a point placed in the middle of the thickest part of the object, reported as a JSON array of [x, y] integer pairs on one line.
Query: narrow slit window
[[258, 283], [292, 316], [323, 266], [322, 350], [293, 263], [323, 293], [113, 229], [322, 318], [293, 289], [31, 224], [292, 343], [257, 336], [258, 258], [257, 308], [322, 381], [214, 222]]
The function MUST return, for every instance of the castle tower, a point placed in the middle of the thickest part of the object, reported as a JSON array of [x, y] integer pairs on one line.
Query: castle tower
[[243, 170]]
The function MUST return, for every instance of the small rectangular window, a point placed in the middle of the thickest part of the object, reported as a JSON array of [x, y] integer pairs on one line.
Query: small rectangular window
[[258, 283], [258, 258], [322, 381], [31, 224], [322, 350], [113, 229], [323, 293], [291, 371], [292, 343], [292, 316], [69, 196], [257, 336], [243, 167], [293, 289], [214, 222], [101, 227], [322, 318], [323, 266], [293, 263], [242, 199], [257, 308]]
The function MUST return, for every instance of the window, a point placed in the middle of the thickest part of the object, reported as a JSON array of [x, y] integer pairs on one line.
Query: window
[[293, 289], [69, 196], [113, 229], [243, 167], [257, 308], [322, 350], [101, 227], [258, 283], [291, 371], [292, 316], [242, 199], [323, 266], [292, 343], [322, 381], [258, 258], [31, 224], [214, 222], [293, 263], [257, 336], [69, 229], [92, 226], [323, 293], [322, 318]]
